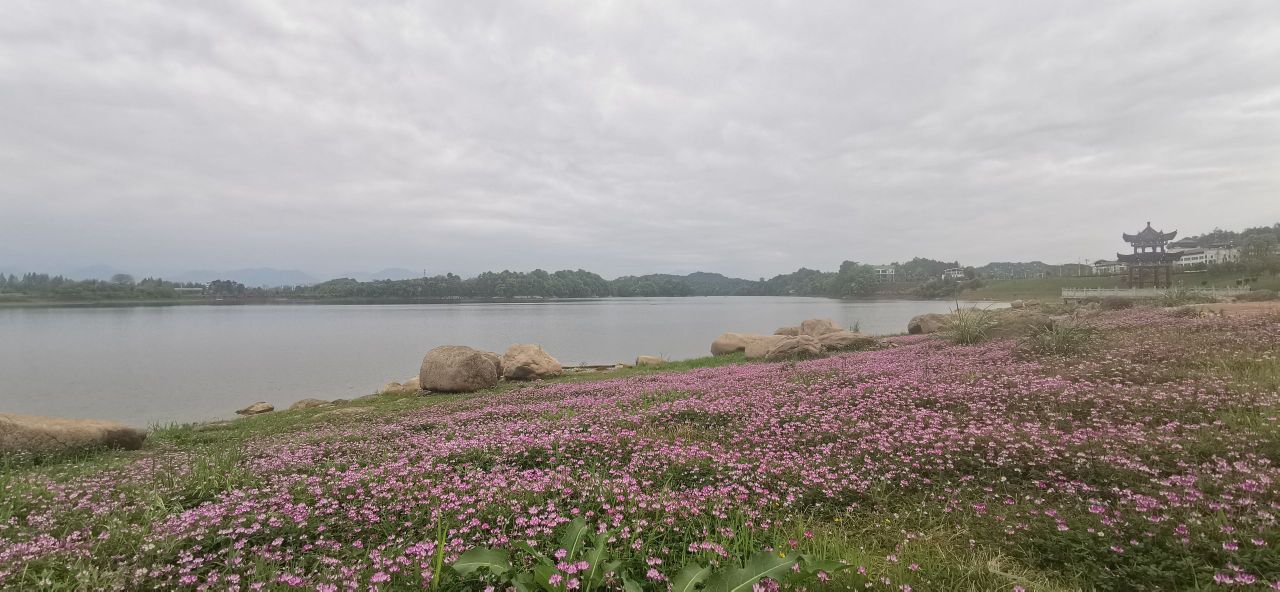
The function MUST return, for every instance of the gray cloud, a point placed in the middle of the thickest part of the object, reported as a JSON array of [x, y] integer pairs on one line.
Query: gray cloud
[[745, 137]]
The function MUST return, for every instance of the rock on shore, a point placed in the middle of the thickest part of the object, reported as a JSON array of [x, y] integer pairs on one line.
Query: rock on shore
[[308, 404], [729, 343], [459, 369], [927, 323], [817, 327], [528, 361], [845, 340], [257, 409], [42, 435], [798, 346]]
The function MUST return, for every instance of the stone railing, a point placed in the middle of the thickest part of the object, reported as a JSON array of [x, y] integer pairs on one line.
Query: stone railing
[[1144, 293]]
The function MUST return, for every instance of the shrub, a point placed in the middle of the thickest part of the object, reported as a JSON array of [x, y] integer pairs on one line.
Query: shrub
[[1172, 298], [1060, 339], [969, 325], [1257, 296], [1116, 303]]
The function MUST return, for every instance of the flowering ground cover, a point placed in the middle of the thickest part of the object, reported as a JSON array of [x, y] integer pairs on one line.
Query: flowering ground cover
[[1148, 461]]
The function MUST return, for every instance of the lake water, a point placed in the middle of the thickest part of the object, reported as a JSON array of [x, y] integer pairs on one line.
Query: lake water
[[144, 365]]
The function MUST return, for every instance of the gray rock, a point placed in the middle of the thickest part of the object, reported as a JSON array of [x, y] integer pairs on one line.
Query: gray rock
[[845, 340], [308, 404], [733, 342], [42, 435], [528, 361], [458, 369], [816, 327], [927, 323], [791, 331], [758, 348], [650, 361], [257, 409], [790, 347]]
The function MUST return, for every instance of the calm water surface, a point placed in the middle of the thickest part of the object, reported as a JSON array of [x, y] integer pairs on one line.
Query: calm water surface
[[147, 365]]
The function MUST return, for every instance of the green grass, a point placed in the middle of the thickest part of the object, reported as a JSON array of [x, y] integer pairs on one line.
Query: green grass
[[1060, 339], [205, 436], [1050, 288], [968, 326], [212, 459]]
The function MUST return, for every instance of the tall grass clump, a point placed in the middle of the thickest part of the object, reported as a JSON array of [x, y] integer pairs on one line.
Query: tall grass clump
[[1171, 298], [1115, 303], [1258, 296], [1060, 339], [968, 326]]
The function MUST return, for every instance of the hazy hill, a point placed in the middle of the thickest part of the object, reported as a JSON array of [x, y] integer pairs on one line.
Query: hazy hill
[[258, 277], [390, 273]]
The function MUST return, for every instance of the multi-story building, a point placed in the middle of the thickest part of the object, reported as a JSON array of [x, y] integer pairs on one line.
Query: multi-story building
[[1211, 255], [1105, 267]]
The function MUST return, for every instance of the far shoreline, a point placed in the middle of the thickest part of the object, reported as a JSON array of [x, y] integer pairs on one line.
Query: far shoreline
[[401, 301]]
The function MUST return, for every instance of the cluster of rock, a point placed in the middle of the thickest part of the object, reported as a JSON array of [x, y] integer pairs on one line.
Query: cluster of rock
[[461, 369], [48, 435], [264, 407], [810, 338]]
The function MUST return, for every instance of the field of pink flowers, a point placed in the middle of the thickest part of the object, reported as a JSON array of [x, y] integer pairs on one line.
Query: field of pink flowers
[[1149, 462]]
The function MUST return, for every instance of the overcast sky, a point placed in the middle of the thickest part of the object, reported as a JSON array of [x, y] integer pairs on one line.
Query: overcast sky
[[749, 138]]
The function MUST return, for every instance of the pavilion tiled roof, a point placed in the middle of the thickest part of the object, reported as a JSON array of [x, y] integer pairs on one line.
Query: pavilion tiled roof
[[1150, 235]]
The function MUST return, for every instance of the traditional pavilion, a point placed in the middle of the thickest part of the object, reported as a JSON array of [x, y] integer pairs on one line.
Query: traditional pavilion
[[1149, 265]]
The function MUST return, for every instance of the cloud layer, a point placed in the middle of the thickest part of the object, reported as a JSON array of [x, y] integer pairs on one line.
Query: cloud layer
[[743, 137]]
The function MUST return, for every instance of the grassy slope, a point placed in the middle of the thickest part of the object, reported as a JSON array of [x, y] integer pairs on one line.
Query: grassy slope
[[945, 546], [199, 438], [1050, 288]]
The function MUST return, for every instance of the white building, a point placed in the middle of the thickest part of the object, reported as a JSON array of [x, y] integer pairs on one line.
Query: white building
[[1104, 267], [885, 274], [955, 273], [1213, 255]]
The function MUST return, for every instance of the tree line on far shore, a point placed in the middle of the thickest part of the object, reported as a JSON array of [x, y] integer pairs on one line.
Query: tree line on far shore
[[850, 281], [919, 277]]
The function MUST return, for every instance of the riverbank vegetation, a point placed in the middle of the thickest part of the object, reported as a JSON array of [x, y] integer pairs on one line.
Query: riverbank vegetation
[[1141, 454], [852, 280], [922, 278], [1050, 288]]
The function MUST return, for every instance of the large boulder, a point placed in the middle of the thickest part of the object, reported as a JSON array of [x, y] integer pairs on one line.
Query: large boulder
[[789, 347], [527, 361], [927, 323], [1016, 323], [733, 342], [759, 347], [816, 327], [42, 435], [845, 340], [257, 409], [791, 331], [458, 369], [650, 361]]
